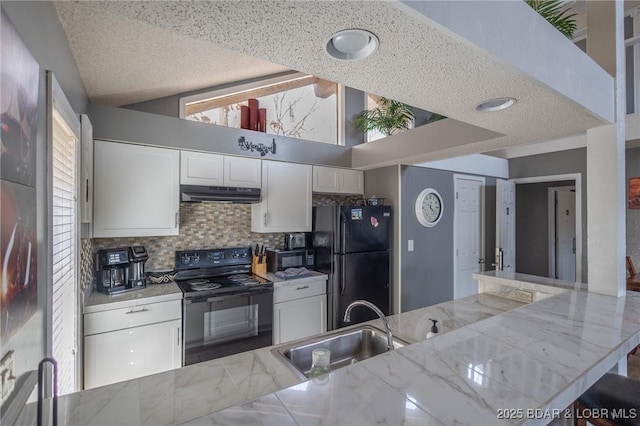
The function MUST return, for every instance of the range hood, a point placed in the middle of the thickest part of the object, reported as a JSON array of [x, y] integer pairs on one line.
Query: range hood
[[198, 193]]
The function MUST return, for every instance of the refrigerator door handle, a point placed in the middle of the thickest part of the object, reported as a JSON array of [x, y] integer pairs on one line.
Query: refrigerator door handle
[[343, 278], [343, 231]]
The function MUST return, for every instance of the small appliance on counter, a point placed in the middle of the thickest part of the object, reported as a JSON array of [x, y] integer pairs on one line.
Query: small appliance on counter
[[121, 269], [279, 260], [296, 240]]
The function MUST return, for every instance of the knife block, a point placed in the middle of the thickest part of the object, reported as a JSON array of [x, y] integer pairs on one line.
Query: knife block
[[259, 268]]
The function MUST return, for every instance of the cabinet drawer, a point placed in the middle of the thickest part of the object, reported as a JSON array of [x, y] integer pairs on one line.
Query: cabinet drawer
[[135, 316], [299, 290]]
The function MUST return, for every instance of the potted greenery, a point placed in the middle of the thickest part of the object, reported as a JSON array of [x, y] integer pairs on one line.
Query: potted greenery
[[389, 117], [556, 14]]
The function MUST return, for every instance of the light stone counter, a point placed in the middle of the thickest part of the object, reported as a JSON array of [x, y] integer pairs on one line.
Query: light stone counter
[[280, 282], [498, 355], [153, 293], [506, 284]]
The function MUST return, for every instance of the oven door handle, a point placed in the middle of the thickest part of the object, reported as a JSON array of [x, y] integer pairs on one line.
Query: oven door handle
[[222, 298]]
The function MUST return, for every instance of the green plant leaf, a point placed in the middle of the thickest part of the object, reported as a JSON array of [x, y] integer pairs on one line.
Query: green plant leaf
[[556, 14], [388, 117]]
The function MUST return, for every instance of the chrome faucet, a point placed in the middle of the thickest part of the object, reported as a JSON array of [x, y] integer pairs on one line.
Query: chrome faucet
[[374, 308]]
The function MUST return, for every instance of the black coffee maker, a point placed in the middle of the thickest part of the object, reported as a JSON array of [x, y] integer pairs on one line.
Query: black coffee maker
[[121, 269]]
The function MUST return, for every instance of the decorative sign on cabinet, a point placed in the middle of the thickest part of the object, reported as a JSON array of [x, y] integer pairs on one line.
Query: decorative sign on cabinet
[[136, 190], [286, 198]]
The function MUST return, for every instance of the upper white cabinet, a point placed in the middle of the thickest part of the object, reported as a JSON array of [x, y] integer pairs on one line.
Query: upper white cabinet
[[286, 198], [200, 168], [136, 190], [331, 180], [242, 172], [86, 170]]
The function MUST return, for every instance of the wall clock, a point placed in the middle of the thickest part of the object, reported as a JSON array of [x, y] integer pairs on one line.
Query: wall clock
[[429, 207]]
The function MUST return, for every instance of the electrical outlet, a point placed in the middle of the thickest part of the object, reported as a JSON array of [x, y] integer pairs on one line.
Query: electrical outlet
[[524, 295], [6, 375], [410, 245]]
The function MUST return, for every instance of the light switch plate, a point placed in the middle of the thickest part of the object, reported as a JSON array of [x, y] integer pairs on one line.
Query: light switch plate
[[410, 245], [523, 295]]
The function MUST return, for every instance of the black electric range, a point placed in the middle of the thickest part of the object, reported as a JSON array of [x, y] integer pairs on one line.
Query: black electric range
[[203, 273], [226, 309]]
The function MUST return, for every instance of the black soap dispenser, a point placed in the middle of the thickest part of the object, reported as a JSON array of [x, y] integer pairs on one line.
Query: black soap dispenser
[[434, 328]]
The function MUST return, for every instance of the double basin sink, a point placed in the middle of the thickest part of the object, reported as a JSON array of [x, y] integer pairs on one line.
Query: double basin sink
[[347, 347]]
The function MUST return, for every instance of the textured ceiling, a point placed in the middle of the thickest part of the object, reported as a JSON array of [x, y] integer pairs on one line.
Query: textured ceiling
[[122, 61], [416, 63]]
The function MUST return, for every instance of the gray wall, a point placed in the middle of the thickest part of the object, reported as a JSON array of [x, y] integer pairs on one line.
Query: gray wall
[[126, 125], [532, 227], [37, 24], [557, 163], [354, 103], [385, 182], [633, 215], [427, 272]]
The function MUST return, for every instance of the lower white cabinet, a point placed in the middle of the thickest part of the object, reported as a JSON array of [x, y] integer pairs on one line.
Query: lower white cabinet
[[300, 310], [123, 344]]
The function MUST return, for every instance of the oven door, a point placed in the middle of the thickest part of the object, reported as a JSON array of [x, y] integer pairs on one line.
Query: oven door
[[227, 324]]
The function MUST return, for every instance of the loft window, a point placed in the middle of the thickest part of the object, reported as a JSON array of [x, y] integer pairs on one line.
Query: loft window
[[297, 105]]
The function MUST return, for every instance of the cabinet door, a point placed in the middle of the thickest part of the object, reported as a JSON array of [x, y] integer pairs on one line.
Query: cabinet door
[[351, 181], [136, 190], [131, 353], [299, 318], [86, 170], [242, 172], [326, 179], [200, 168], [286, 198]]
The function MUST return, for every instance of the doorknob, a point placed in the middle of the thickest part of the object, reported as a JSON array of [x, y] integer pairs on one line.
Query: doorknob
[[480, 260]]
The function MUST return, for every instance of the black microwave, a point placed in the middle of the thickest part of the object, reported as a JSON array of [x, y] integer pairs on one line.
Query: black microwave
[[279, 260]]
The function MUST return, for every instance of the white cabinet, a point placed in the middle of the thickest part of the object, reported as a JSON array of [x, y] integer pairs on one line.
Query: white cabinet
[[123, 344], [286, 198], [299, 310], [136, 190], [331, 180], [201, 168], [242, 172], [86, 170]]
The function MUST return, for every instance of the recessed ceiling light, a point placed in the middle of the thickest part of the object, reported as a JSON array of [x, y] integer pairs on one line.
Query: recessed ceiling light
[[351, 45], [496, 104]]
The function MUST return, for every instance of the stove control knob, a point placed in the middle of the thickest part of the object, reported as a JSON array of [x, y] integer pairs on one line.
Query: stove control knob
[[244, 254], [196, 258], [236, 255]]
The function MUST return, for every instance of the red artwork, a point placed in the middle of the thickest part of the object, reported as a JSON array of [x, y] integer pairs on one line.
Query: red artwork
[[634, 193]]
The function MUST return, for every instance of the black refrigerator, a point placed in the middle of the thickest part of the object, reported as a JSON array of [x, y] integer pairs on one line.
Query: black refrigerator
[[352, 246]]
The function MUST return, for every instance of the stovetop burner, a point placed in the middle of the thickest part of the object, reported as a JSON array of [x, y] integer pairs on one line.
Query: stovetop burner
[[202, 273]]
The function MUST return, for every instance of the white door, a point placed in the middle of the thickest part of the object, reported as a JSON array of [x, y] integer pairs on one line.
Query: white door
[[506, 223], [566, 235], [467, 235]]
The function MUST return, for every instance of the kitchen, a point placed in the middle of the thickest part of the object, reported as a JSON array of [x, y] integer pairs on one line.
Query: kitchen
[[118, 128]]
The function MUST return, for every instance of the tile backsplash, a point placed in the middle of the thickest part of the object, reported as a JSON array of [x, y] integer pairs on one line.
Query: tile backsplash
[[206, 225]]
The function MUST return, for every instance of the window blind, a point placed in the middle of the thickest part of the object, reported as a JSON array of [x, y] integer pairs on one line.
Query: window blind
[[64, 213]]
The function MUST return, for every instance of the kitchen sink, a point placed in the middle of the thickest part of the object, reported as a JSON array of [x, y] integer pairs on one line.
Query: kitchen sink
[[347, 347]]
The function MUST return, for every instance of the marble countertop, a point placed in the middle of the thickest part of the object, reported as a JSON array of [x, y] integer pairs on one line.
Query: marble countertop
[[280, 282], [531, 282], [153, 293], [541, 356], [188, 393]]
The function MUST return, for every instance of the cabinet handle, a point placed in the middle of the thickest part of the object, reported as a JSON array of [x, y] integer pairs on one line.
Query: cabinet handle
[[86, 195], [302, 287], [137, 312], [178, 335], [265, 219], [176, 220]]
